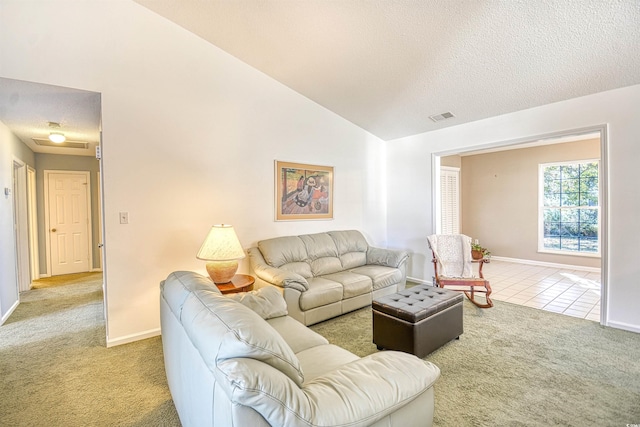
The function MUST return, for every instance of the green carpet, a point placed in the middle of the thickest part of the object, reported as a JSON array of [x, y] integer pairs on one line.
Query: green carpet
[[55, 368], [518, 366], [513, 366]]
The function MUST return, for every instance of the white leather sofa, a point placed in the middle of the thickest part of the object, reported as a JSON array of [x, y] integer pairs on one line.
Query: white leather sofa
[[239, 360], [324, 275]]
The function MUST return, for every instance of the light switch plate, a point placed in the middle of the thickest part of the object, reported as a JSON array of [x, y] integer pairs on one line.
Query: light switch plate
[[124, 217]]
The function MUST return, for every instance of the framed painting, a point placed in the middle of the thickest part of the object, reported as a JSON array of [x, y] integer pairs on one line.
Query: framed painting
[[303, 191]]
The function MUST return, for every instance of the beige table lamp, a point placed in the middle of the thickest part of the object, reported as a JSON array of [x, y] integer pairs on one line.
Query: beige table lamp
[[222, 249]]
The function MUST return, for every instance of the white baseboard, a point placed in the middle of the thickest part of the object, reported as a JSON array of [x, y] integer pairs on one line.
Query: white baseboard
[[133, 337], [421, 281], [11, 310], [624, 326], [547, 264], [93, 270]]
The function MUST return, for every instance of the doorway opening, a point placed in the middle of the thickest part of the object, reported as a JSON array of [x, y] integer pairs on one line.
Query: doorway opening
[[526, 233], [67, 212], [28, 112]]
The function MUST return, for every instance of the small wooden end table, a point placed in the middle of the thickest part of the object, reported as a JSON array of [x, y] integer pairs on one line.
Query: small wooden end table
[[239, 283]]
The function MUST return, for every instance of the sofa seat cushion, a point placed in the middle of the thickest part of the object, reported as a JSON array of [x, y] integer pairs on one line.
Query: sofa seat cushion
[[380, 275], [317, 361], [321, 292], [353, 284], [298, 336]]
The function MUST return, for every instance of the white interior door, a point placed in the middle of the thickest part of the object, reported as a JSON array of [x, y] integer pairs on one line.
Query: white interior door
[[68, 225]]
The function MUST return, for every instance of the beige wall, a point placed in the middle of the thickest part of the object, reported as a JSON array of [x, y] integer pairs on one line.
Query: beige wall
[[500, 199], [454, 161]]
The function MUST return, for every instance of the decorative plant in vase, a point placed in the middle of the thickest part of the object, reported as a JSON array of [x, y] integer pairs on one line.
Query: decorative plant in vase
[[478, 252]]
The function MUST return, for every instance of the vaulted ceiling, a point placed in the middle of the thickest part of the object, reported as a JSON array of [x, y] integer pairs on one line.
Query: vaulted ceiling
[[387, 65]]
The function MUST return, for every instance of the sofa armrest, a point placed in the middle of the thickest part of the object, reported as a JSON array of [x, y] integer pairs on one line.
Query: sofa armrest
[[386, 257], [356, 394], [275, 276]]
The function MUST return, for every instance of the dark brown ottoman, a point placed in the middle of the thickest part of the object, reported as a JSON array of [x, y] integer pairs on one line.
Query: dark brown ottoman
[[417, 320]]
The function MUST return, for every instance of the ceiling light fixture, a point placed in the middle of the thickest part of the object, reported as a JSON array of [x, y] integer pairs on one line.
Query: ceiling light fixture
[[57, 137]]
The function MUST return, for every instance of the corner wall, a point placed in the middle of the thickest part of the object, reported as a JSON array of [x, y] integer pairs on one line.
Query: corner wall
[[190, 135], [410, 171], [10, 147]]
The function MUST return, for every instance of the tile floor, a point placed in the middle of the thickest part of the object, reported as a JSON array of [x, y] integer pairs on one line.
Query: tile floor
[[572, 292]]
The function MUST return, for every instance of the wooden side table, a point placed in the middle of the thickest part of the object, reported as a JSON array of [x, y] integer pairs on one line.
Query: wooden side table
[[239, 283]]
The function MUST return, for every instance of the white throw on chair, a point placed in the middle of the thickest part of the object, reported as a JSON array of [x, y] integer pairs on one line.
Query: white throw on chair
[[452, 264]]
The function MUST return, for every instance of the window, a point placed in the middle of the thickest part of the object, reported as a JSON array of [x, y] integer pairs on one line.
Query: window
[[569, 208]]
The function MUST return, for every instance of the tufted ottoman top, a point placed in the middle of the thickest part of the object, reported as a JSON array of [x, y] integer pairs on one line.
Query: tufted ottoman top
[[417, 303]]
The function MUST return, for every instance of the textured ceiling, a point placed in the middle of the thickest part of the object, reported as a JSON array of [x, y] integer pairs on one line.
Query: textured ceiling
[[387, 65], [27, 108]]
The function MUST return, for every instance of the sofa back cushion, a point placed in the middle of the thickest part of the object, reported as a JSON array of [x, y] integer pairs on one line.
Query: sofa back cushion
[[351, 246], [313, 255], [288, 253], [179, 286], [323, 254], [221, 328]]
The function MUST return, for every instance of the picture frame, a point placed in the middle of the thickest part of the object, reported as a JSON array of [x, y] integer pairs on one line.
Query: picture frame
[[303, 191]]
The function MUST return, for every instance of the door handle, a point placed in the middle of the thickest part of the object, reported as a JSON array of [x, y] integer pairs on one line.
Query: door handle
[[53, 230]]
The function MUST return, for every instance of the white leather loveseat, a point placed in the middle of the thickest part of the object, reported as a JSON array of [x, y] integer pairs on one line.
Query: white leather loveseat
[[239, 360], [324, 275]]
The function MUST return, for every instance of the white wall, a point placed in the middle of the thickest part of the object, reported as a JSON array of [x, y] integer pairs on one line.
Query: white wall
[[8, 279], [409, 170], [11, 148], [190, 135]]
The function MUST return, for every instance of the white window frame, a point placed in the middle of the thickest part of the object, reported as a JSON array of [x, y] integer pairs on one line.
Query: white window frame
[[541, 248]]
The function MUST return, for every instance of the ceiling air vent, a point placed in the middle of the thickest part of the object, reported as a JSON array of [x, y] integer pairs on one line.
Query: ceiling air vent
[[66, 144], [443, 116]]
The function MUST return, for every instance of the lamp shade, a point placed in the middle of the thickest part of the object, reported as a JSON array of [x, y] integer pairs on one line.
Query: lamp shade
[[221, 244]]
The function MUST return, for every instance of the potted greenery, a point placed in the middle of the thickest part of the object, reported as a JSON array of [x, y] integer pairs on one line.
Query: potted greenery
[[478, 252]]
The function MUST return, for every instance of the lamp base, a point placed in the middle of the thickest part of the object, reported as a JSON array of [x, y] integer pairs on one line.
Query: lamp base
[[222, 271]]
